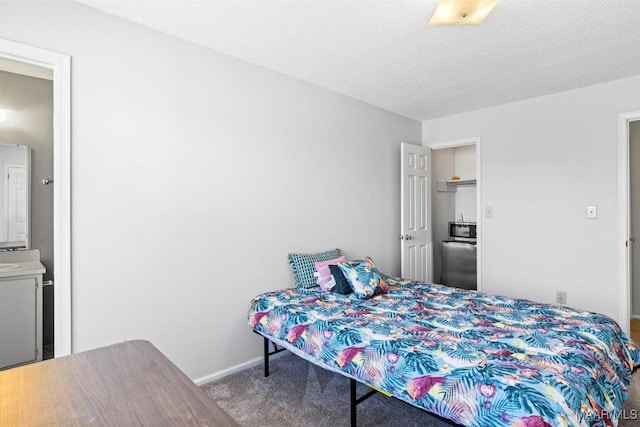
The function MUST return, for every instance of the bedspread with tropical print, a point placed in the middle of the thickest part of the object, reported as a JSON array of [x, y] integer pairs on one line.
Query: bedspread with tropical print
[[475, 359]]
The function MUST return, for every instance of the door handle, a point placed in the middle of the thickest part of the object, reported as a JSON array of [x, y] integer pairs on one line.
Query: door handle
[[408, 237]]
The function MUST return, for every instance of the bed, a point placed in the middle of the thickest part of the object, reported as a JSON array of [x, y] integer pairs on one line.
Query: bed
[[470, 358]]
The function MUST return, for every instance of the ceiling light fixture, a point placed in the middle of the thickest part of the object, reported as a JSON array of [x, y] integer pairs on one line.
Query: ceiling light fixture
[[462, 11]]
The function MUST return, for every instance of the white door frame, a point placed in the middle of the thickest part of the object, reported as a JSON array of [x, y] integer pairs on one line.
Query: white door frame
[[61, 66], [624, 218], [477, 141]]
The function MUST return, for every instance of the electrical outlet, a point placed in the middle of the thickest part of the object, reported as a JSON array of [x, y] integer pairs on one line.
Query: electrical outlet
[[561, 297]]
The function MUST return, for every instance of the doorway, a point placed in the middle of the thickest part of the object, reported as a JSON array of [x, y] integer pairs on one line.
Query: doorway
[[630, 137], [458, 199], [60, 66], [625, 243], [634, 221]]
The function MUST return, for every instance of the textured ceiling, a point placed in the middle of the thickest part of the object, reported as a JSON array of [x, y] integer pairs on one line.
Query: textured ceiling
[[384, 53]]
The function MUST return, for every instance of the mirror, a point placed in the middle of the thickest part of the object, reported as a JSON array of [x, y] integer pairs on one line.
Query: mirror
[[14, 197]]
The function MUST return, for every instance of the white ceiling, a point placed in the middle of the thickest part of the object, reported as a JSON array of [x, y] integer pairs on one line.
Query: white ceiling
[[384, 53]]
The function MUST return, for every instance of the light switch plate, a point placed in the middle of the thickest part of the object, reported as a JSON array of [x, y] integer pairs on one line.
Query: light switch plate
[[592, 212], [488, 211]]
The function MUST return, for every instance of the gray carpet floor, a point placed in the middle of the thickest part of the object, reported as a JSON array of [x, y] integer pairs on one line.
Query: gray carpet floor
[[298, 393]]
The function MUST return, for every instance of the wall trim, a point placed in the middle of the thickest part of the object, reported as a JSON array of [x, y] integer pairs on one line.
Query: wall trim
[[456, 143], [236, 368], [60, 64], [226, 372]]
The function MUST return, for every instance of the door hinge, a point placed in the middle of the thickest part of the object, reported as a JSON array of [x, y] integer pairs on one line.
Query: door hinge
[[37, 284], [37, 352]]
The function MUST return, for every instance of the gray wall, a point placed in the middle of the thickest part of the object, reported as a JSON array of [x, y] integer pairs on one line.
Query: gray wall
[[634, 163], [543, 161], [31, 124], [194, 174]]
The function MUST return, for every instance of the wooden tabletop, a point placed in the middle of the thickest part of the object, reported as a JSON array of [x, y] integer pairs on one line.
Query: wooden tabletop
[[126, 384]]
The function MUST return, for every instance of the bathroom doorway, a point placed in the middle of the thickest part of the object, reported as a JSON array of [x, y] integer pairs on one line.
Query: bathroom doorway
[[26, 97], [59, 66]]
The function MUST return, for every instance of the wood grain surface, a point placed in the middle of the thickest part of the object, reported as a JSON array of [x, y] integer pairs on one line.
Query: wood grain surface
[[635, 331], [126, 384]]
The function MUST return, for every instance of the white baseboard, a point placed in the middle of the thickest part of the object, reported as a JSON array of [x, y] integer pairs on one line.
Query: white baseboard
[[232, 370], [635, 316], [223, 373]]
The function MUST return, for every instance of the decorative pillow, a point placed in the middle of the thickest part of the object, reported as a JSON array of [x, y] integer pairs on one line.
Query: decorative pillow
[[342, 284], [302, 266], [364, 278], [323, 274]]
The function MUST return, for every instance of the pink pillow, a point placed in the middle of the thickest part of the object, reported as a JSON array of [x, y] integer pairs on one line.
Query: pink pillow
[[323, 273]]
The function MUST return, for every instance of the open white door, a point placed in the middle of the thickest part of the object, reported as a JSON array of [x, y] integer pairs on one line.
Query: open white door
[[415, 200], [16, 195]]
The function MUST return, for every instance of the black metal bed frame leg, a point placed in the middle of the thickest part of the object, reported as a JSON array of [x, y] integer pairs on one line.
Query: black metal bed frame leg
[[266, 357], [355, 400], [353, 394], [267, 353], [354, 412]]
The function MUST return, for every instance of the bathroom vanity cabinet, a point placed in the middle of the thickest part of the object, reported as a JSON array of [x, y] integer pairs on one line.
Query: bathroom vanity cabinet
[[20, 309], [20, 320]]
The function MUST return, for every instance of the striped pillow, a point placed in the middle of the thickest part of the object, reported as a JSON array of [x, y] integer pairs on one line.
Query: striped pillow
[[303, 266]]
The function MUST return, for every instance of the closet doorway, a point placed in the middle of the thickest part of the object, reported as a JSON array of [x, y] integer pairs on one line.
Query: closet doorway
[[456, 196], [634, 224]]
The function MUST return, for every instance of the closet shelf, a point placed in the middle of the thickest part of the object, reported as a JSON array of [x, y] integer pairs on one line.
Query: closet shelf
[[451, 186], [461, 182]]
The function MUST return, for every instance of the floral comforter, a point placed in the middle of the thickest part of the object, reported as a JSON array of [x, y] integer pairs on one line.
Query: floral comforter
[[475, 359]]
